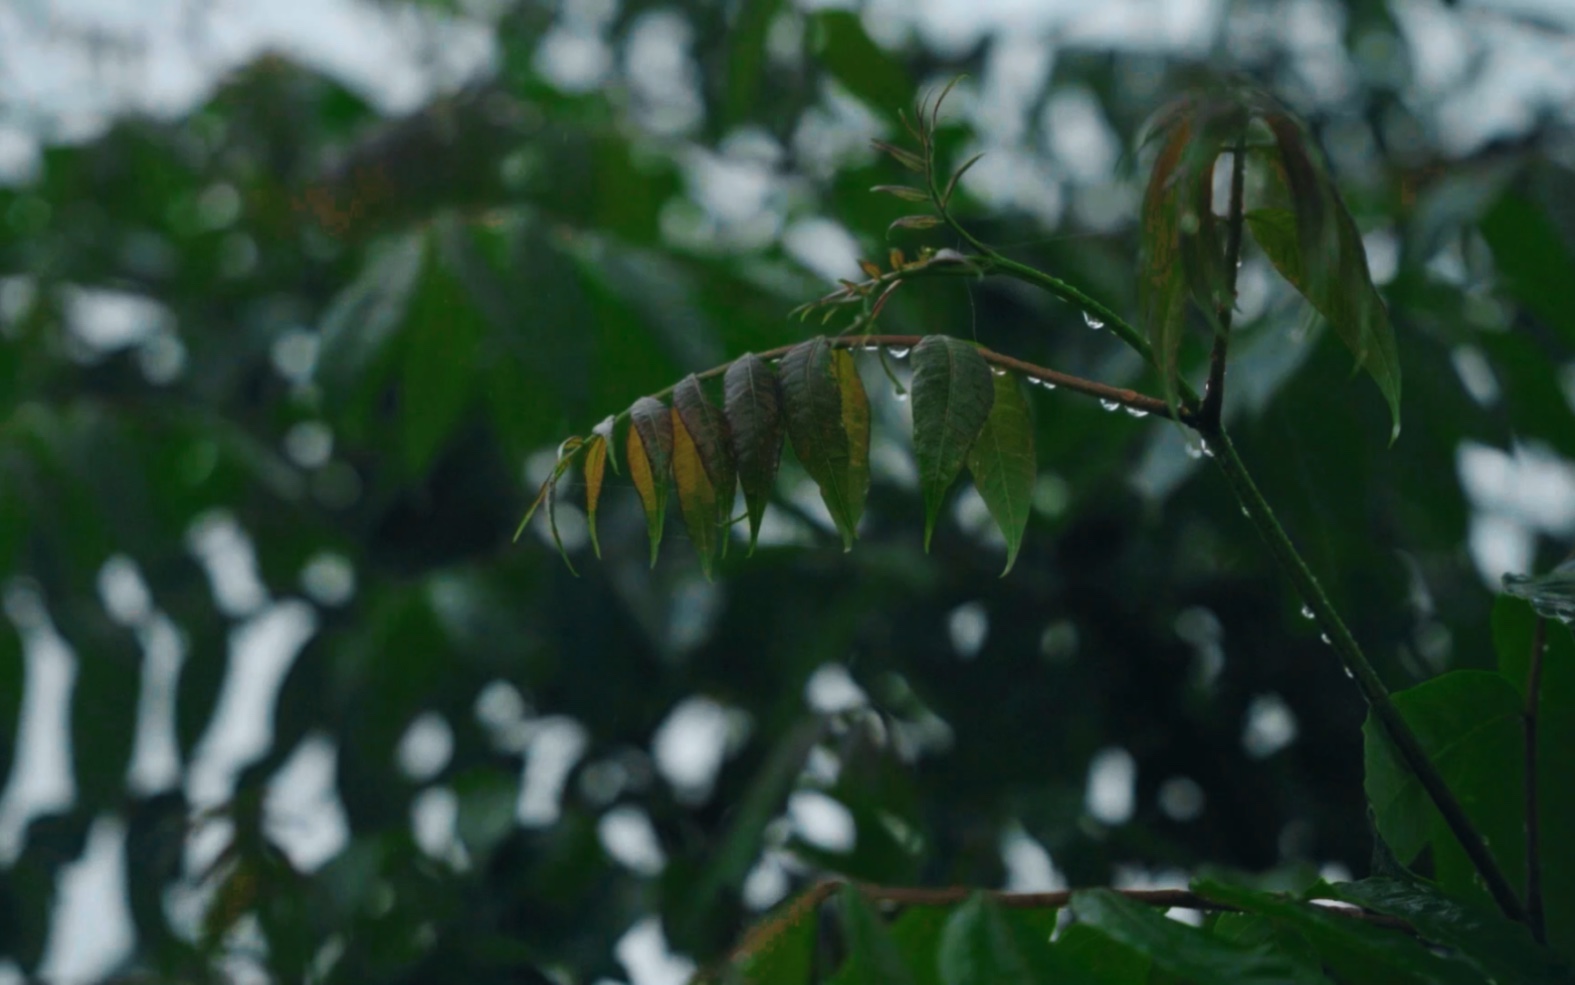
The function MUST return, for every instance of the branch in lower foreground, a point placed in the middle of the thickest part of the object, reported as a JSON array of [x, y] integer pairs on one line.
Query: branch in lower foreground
[[1356, 664], [1539, 639], [764, 934]]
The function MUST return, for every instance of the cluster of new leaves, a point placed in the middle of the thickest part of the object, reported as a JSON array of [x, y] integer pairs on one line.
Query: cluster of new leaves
[[1296, 216], [964, 414], [1404, 932]]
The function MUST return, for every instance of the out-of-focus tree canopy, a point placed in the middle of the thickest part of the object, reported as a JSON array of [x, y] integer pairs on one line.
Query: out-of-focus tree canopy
[[280, 370]]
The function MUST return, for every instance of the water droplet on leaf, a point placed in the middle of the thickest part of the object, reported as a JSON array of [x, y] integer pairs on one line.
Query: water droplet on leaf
[[1095, 323]]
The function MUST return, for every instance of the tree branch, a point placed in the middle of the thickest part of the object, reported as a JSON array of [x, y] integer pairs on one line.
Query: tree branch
[[1357, 666]]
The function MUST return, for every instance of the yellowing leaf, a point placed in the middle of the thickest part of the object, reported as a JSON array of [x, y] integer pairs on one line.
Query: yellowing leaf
[[752, 402], [708, 430], [651, 487], [696, 495], [855, 424], [1003, 466], [595, 472], [952, 396]]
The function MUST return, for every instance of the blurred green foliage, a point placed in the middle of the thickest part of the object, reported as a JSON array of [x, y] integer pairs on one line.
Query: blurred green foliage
[[367, 335]]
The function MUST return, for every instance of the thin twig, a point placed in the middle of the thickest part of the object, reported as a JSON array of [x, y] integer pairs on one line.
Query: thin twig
[[1335, 633], [1539, 638], [1214, 391]]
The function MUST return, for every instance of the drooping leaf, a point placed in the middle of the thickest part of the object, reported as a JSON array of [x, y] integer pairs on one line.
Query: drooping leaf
[[855, 424], [781, 948], [1356, 951], [595, 473], [606, 430], [812, 393], [1182, 255], [1514, 625], [952, 395], [986, 944], [648, 450], [872, 954], [1318, 249], [708, 429], [1100, 959], [1002, 463], [696, 495], [1469, 724], [752, 402], [565, 455], [1187, 952], [1493, 944]]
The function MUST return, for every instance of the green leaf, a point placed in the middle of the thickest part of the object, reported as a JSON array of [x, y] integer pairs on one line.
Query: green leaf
[[917, 934], [904, 192], [1496, 946], [1099, 958], [1513, 626], [813, 390], [1002, 463], [443, 332], [953, 393], [1356, 951], [986, 944], [696, 495], [595, 472], [1552, 594], [1468, 722], [1184, 951], [752, 402], [1533, 261], [649, 451], [872, 954], [1317, 248]]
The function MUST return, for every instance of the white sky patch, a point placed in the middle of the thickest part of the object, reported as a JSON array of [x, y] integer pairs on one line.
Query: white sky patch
[[261, 652], [1270, 726], [831, 689], [1516, 494], [425, 747], [689, 747], [434, 815], [822, 821], [41, 776], [645, 955], [106, 320], [155, 751], [226, 554], [302, 810], [967, 626], [556, 744], [1112, 775], [1029, 868], [91, 930], [824, 247], [629, 838]]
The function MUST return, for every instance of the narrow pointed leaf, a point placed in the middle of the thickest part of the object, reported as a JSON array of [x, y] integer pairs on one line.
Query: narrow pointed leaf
[[1002, 463], [696, 494], [595, 473], [812, 398], [903, 192], [552, 523], [856, 425], [906, 158], [872, 954], [1322, 256], [606, 429], [752, 402], [914, 222], [651, 486], [951, 185], [650, 419], [953, 393], [708, 429]]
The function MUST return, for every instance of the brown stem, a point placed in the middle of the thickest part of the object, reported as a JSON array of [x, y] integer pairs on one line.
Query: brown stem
[[1534, 915], [1214, 392]]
